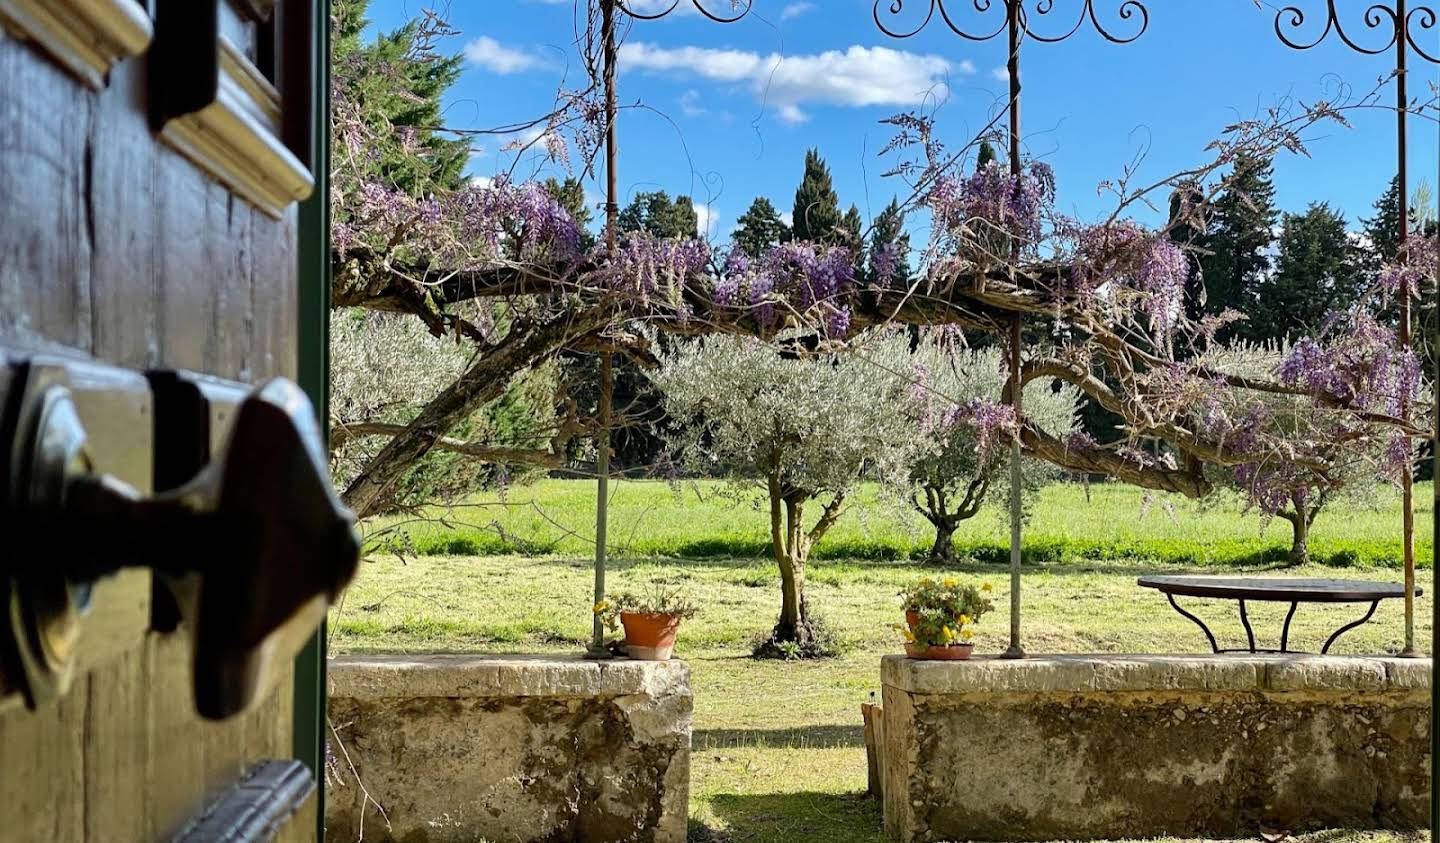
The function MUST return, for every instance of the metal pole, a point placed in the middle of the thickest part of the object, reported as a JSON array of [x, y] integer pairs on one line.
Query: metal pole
[[607, 376], [1015, 651], [1407, 474]]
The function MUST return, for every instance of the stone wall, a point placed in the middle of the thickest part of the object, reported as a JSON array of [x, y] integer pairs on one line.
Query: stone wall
[[508, 750], [1086, 747]]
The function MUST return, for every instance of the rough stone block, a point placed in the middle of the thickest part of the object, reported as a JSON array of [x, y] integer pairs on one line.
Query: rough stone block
[[1088, 747], [433, 749]]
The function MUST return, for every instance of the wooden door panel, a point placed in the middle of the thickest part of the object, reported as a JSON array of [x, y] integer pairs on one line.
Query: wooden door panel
[[117, 246]]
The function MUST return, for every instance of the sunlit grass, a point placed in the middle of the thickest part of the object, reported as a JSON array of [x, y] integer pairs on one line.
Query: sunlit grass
[[1105, 522]]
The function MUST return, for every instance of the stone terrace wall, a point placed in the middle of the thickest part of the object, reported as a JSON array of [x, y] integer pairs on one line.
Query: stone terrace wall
[[509, 749], [1085, 747]]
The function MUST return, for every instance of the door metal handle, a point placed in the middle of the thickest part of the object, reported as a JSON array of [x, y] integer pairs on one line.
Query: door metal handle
[[258, 532]]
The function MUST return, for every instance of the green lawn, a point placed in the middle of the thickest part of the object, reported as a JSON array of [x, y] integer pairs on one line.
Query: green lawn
[[1107, 522], [778, 752]]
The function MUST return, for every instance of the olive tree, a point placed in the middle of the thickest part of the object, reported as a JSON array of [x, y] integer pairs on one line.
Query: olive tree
[[1276, 487], [962, 430], [805, 428]]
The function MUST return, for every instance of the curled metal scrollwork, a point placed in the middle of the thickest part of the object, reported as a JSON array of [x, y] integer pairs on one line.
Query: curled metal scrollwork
[[738, 10], [1290, 24], [888, 15]]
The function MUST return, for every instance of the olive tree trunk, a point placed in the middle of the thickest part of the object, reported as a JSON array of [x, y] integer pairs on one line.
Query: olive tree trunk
[[936, 509], [795, 631], [1301, 516]]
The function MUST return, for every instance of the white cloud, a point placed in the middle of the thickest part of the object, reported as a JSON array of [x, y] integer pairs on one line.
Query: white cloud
[[856, 76], [481, 182], [795, 10], [788, 218], [705, 219], [490, 54], [1001, 73]]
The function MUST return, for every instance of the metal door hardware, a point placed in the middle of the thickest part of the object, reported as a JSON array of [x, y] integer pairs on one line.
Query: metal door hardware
[[256, 542]]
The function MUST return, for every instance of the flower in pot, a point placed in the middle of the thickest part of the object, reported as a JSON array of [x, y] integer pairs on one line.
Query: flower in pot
[[940, 618], [651, 620]]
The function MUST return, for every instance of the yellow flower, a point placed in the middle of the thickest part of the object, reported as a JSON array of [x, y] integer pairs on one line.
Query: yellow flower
[[909, 636], [964, 619], [987, 587], [951, 582], [967, 634], [927, 582], [947, 634], [602, 606]]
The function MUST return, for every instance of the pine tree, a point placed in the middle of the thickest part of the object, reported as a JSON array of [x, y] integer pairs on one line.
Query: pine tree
[[890, 228], [816, 215], [759, 228], [1241, 225], [655, 213], [401, 101], [1319, 270]]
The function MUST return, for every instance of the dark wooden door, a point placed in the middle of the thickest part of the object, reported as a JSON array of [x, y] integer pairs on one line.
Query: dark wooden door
[[152, 159]]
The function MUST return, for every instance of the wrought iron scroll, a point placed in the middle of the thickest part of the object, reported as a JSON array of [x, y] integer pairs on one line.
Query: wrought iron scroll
[[1291, 21], [738, 10], [1033, 15]]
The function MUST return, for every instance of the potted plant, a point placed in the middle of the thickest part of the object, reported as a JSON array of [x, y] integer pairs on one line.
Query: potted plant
[[940, 618], [651, 620]]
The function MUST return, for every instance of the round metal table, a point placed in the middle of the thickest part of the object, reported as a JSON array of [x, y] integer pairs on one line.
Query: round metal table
[[1292, 590]]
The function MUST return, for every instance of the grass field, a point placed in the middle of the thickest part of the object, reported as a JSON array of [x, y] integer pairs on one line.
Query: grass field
[[1107, 522], [778, 746]]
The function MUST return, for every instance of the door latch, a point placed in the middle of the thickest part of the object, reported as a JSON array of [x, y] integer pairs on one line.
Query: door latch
[[258, 533]]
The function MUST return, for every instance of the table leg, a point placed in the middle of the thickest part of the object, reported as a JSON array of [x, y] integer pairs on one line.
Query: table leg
[[1285, 631], [1344, 629], [1214, 647], [1245, 621]]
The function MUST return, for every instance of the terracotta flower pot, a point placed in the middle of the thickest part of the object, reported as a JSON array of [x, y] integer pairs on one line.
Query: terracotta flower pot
[[952, 653], [649, 635]]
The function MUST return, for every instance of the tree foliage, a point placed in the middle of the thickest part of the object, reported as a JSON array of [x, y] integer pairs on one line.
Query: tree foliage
[[1316, 274], [802, 430], [760, 228], [656, 214], [1239, 228], [816, 215], [961, 432]]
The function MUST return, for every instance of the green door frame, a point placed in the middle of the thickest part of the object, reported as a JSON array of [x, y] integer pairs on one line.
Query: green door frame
[[314, 376]]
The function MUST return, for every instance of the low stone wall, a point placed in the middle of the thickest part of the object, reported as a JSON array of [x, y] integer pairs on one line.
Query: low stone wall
[[508, 750], [1085, 747]]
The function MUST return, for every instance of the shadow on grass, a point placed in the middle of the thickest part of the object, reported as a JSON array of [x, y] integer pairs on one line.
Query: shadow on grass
[[762, 818], [800, 737]]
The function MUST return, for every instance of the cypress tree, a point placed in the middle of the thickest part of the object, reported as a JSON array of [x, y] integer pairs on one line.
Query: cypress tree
[[1382, 231], [816, 215], [890, 228], [760, 227], [400, 98]]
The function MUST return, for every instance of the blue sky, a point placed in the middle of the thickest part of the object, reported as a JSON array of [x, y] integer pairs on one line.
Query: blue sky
[[730, 109]]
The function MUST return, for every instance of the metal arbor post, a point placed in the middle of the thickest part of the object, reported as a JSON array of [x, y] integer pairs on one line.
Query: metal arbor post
[[1398, 25], [1017, 27], [609, 57]]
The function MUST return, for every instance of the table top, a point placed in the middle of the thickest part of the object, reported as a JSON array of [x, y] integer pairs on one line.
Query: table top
[[1282, 589]]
